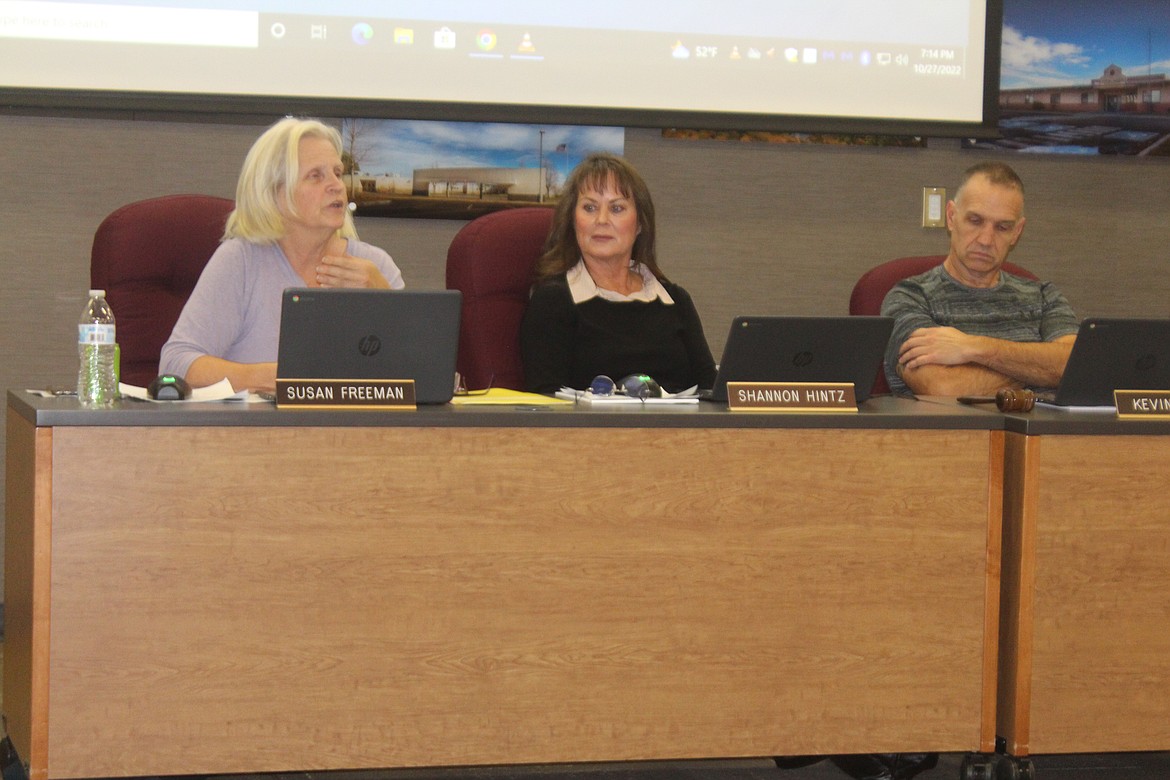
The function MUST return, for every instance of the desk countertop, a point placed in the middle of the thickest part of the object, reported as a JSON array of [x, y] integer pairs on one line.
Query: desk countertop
[[1053, 421], [879, 412]]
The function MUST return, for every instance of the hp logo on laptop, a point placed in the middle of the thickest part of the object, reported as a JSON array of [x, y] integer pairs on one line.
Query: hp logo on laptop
[[369, 345]]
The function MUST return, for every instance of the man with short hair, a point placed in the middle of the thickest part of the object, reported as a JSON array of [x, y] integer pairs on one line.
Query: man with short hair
[[967, 327]]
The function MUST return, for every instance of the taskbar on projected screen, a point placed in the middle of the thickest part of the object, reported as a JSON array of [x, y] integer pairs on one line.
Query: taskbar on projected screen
[[513, 42], [659, 70]]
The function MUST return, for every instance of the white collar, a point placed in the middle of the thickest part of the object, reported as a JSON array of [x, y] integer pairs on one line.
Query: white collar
[[583, 288]]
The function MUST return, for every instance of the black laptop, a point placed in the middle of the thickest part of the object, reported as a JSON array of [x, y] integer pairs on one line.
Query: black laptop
[[372, 334], [803, 349], [1114, 354]]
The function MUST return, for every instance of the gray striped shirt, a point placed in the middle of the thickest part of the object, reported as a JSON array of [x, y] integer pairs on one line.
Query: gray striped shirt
[[1016, 309]]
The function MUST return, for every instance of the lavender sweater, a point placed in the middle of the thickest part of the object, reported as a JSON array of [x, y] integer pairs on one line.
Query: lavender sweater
[[234, 311]]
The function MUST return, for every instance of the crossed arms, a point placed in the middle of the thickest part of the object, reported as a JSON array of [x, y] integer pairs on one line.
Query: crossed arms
[[946, 361]]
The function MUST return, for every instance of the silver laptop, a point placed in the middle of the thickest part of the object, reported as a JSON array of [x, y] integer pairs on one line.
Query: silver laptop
[[372, 334], [1114, 354], [803, 349]]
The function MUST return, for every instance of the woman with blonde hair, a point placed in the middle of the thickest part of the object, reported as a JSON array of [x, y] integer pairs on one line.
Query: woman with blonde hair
[[291, 227]]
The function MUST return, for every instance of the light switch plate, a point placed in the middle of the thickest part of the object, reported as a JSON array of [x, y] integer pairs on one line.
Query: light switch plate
[[934, 207]]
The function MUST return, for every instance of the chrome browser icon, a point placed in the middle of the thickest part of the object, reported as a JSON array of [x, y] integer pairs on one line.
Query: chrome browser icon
[[485, 40]]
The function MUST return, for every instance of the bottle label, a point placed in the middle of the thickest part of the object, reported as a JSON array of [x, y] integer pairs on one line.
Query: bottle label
[[94, 333]]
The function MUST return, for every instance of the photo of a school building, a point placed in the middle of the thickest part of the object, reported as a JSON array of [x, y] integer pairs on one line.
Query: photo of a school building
[[1114, 91]]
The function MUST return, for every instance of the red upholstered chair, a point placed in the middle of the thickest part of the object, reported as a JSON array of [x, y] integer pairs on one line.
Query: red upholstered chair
[[490, 261], [147, 256], [871, 289]]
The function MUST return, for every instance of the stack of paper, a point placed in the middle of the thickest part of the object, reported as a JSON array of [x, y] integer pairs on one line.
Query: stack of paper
[[220, 391], [687, 396]]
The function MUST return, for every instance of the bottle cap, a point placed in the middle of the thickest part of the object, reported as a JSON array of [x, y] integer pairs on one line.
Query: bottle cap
[[94, 293]]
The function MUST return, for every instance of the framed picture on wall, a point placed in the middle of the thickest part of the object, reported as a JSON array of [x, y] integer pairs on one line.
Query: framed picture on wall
[[1081, 77], [764, 136], [460, 170]]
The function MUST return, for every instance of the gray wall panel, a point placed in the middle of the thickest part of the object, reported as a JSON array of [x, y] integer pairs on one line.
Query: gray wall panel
[[745, 227]]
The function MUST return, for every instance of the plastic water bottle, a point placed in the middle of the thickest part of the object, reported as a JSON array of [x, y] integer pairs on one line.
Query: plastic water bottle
[[97, 378]]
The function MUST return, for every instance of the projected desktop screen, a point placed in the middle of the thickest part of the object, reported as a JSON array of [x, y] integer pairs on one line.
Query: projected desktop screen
[[928, 65]]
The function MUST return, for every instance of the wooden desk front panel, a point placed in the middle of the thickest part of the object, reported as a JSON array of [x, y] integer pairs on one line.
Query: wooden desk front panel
[[262, 599], [27, 541], [1100, 627]]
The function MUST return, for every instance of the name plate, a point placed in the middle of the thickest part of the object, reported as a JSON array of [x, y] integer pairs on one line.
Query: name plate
[[345, 394], [791, 397], [1144, 404]]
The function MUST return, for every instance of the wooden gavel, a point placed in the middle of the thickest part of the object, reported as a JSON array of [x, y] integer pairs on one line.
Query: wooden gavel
[[1006, 400]]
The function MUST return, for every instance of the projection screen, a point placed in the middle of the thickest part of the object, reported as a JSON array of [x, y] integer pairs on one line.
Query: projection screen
[[917, 66]]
